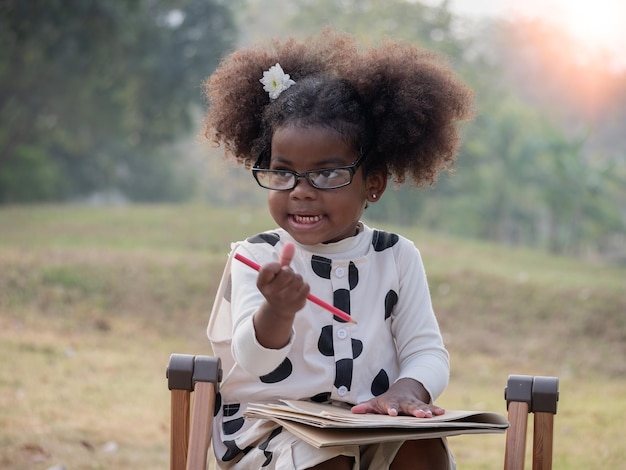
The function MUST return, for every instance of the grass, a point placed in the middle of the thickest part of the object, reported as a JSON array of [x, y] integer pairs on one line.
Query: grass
[[94, 300]]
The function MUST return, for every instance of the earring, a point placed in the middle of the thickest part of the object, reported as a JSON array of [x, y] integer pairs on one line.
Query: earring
[[373, 196]]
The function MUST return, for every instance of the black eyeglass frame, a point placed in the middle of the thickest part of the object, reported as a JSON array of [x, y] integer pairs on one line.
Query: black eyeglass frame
[[306, 175]]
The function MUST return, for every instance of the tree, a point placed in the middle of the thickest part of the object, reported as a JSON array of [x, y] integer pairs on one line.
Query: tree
[[90, 89]]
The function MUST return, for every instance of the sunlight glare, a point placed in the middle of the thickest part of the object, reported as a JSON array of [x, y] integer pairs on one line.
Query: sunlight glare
[[597, 22], [595, 26], [598, 27]]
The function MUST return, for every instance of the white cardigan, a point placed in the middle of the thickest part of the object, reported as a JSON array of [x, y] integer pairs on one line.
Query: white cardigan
[[377, 276]]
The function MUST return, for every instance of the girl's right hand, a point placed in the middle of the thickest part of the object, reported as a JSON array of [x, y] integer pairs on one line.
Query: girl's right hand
[[284, 290]]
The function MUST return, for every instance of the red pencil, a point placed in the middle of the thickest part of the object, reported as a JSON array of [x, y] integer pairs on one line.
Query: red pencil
[[316, 300]]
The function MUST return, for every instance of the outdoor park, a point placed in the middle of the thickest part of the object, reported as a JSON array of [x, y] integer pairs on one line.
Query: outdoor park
[[116, 220], [94, 300]]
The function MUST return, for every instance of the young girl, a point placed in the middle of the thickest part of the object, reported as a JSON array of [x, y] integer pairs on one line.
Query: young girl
[[324, 125]]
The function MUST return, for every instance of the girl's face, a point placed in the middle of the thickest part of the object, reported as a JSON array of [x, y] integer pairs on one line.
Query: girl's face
[[312, 215]]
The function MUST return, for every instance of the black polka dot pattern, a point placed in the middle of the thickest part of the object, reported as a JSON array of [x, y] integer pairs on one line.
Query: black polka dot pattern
[[233, 451], [218, 404], [383, 240], [283, 371], [264, 444], [321, 397], [343, 373], [391, 299], [353, 275], [321, 266], [228, 292], [325, 341], [232, 426], [342, 287], [341, 300], [269, 237], [380, 384], [357, 348], [231, 409]]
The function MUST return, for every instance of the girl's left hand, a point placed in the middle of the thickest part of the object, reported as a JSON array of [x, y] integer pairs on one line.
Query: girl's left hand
[[405, 397]]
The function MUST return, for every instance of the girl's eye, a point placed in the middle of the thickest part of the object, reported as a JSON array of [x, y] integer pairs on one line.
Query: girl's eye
[[327, 174], [282, 174]]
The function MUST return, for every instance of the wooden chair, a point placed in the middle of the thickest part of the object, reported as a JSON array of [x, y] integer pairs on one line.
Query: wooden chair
[[191, 426]]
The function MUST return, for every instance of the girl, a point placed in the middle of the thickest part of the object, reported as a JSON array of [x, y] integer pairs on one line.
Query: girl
[[324, 125]]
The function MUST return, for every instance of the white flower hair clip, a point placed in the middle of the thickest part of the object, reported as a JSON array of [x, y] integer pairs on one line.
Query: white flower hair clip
[[275, 81]]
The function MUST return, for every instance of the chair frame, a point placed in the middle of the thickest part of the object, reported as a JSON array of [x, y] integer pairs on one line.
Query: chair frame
[[190, 432]]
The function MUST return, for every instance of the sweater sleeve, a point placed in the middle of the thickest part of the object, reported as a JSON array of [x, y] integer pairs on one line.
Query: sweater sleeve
[[253, 357], [421, 351]]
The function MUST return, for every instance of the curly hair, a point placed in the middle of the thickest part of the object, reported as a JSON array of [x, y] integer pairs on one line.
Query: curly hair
[[400, 103]]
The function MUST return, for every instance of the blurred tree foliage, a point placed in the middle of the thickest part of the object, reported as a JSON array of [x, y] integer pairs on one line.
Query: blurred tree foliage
[[94, 93], [91, 90]]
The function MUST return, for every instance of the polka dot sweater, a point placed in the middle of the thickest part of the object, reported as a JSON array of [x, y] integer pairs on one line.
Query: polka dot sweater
[[376, 277]]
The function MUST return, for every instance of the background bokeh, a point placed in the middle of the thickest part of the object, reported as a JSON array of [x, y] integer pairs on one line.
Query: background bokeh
[[116, 215]]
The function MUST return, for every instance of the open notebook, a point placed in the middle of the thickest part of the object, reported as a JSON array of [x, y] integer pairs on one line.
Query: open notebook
[[327, 425]]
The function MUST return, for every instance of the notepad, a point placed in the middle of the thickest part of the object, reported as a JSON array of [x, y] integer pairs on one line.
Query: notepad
[[324, 425]]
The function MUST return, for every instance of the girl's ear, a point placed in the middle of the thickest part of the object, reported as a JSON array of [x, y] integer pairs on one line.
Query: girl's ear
[[376, 184]]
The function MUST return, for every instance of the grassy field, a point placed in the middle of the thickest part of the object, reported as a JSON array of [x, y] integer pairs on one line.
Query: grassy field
[[94, 300]]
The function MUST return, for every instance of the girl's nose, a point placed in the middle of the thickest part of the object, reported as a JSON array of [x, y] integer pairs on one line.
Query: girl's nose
[[303, 190]]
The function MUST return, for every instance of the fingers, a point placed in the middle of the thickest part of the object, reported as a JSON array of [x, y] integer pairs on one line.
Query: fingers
[[267, 274], [278, 277], [419, 410], [283, 289], [419, 413], [269, 271], [425, 411], [422, 410], [279, 274], [374, 406], [393, 408], [361, 408], [287, 254]]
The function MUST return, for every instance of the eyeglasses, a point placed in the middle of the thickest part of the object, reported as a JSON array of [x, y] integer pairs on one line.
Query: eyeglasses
[[326, 178]]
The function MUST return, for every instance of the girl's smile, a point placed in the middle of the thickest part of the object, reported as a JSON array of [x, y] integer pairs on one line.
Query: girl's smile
[[305, 219]]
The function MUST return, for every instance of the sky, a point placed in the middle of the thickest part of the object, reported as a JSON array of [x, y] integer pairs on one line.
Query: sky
[[600, 24]]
